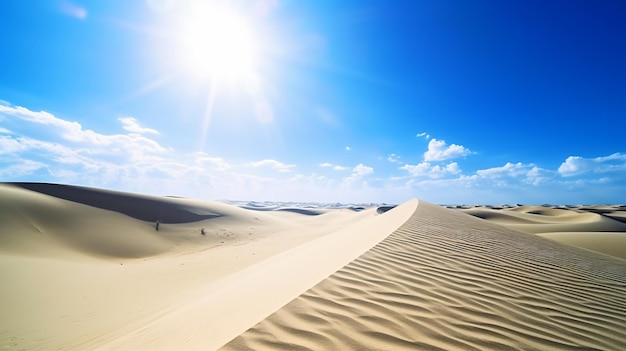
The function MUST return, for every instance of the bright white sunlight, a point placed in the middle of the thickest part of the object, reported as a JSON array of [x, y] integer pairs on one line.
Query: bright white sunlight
[[217, 43]]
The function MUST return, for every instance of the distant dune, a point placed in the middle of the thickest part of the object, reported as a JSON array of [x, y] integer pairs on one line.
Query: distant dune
[[87, 269], [600, 228]]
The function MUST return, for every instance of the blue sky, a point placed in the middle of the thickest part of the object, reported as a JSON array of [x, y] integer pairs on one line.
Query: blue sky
[[452, 102]]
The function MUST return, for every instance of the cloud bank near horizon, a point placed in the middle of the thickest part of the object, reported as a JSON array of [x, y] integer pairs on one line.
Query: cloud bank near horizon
[[39, 146]]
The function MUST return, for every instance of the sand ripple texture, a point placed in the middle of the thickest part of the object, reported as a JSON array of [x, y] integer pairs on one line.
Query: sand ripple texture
[[448, 281]]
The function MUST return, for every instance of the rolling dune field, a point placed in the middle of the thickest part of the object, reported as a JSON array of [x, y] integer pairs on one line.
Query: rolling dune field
[[94, 269]]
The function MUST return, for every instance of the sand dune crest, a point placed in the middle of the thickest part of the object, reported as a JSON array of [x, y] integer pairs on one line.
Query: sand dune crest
[[448, 281]]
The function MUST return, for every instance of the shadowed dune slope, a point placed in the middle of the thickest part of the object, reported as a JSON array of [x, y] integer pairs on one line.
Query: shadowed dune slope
[[37, 224], [142, 207], [448, 281]]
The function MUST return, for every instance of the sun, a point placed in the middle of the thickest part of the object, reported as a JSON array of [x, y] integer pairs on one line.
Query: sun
[[217, 43]]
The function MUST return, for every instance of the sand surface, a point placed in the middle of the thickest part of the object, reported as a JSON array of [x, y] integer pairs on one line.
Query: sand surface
[[448, 281], [85, 277], [601, 228], [86, 269]]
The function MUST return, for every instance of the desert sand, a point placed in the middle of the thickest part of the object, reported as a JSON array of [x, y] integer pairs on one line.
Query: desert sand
[[86, 269], [601, 228]]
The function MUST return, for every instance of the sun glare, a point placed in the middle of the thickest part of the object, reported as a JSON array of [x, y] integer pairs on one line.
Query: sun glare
[[218, 44]]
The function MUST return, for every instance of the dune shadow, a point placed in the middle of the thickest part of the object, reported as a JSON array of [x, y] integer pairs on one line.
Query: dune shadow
[[145, 208]]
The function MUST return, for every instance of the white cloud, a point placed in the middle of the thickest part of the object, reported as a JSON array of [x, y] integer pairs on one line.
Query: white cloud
[[205, 161], [418, 169], [134, 145], [358, 173], [71, 150], [335, 167], [424, 135], [276, 165], [513, 175], [509, 169], [132, 161], [40, 117], [428, 170], [361, 170], [348, 148], [575, 165], [131, 124], [439, 151], [21, 167], [536, 175], [439, 171], [393, 158], [5, 131], [9, 145]]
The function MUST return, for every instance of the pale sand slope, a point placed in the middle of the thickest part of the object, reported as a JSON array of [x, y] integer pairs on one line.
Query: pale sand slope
[[79, 276], [449, 281], [600, 228]]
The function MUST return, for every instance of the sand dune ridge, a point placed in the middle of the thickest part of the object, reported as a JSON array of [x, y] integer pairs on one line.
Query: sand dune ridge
[[447, 281]]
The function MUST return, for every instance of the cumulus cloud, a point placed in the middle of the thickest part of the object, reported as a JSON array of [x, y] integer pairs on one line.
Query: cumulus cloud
[[130, 124], [518, 174], [131, 144], [40, 145], [73, 152], [438, 150], [361, 170], [418, 169], [433, 171], [440, 171], [536, 175], [358, 173], [575, 165], [276, 165]]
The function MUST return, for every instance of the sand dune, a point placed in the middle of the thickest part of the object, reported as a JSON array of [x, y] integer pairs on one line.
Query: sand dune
[[146, 208], [80, 276], [600, 228], [448, 281], [86, 269]]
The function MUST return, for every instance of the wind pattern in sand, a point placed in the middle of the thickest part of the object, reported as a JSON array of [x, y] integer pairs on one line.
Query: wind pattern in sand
[[447, 281]]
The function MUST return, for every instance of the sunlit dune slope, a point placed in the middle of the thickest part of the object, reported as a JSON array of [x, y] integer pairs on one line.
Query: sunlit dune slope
[[82, 272], [449, 281]]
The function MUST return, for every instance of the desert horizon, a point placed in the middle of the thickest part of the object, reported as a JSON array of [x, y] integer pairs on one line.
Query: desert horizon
[[90, 268]]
